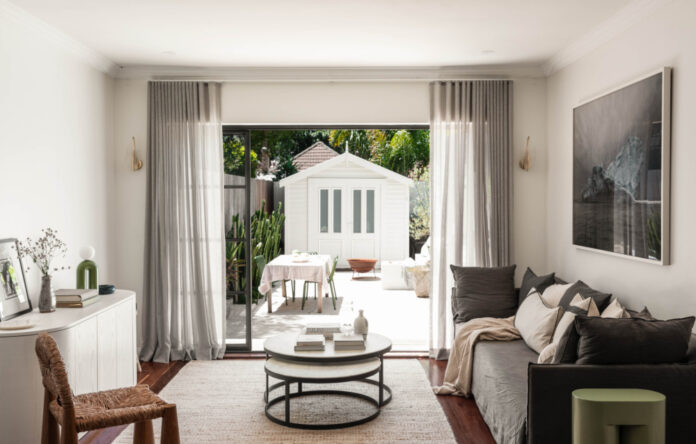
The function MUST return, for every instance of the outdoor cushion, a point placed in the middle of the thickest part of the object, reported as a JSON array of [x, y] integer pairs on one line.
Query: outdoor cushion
[[499, 386]]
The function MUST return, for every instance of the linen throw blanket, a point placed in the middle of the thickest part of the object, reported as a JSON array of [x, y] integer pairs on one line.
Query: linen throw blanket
[[458, 373]]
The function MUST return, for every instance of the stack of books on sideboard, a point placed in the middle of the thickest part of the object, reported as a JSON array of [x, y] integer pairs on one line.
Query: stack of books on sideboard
[[76, 298]]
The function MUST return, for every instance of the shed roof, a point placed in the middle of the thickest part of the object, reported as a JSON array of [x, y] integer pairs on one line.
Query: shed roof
[[314, 155], [345, 159]]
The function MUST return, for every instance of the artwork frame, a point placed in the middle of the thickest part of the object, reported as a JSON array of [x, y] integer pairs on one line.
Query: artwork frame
[[621, 170], [14, 296]]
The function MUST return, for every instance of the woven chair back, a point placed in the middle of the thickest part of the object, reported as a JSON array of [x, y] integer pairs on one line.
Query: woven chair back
[[53, 373]]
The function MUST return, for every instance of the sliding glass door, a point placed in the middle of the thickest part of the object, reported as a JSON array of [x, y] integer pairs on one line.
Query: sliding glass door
[[238, 263]]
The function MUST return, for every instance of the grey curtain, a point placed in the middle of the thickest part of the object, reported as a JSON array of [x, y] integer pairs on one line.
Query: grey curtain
[[471, 188], [183, 313]]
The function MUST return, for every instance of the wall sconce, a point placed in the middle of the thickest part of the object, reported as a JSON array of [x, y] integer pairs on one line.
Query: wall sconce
[[526, 162], [136, 163]]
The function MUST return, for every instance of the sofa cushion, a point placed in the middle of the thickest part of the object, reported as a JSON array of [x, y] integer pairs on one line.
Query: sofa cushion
[[632, 341], [483, 292], [499, 386], [643, 314], [536, 322], [531, 280], [600, 299]]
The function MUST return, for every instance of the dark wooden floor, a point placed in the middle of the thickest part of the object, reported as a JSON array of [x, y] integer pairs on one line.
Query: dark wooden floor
[[462, 413]]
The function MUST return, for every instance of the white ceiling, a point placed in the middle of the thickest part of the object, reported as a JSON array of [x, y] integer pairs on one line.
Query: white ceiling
[[325, 33]]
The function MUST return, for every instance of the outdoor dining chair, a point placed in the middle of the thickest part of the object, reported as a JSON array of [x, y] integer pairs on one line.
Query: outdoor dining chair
[[332, 286]]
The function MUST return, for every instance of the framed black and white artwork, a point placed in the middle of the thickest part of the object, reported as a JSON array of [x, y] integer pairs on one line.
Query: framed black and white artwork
[[14, 298], [621, 170]]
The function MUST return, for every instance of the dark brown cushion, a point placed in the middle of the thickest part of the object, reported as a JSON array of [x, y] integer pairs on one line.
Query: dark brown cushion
[[531, 280], [600, 299], [483, 292], [632, 341]]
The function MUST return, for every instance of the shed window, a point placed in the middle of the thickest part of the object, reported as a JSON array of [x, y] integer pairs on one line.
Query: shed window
[[324, 211], [370, 211], [336, 211], [357, 211]]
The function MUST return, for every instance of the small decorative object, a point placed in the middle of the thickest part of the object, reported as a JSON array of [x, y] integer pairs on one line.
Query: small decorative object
[[107, 289], [360, 324], [87, 266], [136, 163], [621, 170], [526, 162], [42, 251], [14, 297]]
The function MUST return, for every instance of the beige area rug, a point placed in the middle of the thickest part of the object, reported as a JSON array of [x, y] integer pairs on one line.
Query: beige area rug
[[222, 402]]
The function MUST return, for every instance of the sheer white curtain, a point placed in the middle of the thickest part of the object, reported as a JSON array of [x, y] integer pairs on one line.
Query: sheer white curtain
[[184, 298], [471, 189]]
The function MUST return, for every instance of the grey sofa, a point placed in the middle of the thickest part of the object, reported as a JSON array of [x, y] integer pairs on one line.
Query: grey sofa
[[522, 401]]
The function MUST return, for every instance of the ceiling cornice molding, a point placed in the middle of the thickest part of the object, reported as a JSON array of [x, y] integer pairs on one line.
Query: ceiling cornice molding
[[57, 37], [625, 18], [329, 74]]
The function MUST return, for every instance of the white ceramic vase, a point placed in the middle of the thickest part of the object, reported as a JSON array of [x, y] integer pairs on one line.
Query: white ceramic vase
[[360, 324]]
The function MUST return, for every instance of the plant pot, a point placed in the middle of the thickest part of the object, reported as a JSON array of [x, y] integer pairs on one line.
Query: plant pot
[[47, 298]]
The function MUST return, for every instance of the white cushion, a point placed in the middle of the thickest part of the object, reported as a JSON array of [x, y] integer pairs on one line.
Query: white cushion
[[536, 322], [615, 310], [554, 293]]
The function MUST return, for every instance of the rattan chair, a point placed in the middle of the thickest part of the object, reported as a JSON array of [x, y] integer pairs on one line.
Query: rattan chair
[[97, 410]]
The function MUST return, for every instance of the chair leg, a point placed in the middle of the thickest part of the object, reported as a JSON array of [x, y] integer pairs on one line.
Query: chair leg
[[170, 426], [333, 294], [143, 433], [49, 426], [292, 285], [304, 294], [68, 431]]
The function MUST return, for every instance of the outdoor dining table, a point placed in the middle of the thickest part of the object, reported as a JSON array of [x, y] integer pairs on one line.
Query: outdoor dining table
[[312, 268]]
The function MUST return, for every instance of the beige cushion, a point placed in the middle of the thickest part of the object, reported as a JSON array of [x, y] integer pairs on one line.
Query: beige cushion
[[554, 293], [615, 310], [536, 322], [546, 355], [588, 304]]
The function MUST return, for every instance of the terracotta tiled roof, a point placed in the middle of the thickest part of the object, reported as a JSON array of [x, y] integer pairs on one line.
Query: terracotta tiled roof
[[313, 155]]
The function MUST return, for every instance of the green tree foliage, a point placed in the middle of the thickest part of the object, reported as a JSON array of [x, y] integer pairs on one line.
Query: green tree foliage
[[398, 150], [233, 151]]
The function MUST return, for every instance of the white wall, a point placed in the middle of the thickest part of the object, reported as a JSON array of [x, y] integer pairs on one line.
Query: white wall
[[325, 103], [667, 38], [331, 103], [55, 134]]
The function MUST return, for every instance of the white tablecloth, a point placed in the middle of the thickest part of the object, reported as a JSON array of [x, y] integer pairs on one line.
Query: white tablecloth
[[283, 268]]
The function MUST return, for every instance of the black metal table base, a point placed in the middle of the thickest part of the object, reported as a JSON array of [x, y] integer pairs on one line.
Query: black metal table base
[[377, 403]]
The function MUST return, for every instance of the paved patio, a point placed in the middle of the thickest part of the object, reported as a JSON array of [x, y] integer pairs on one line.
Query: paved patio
[[398, 314]]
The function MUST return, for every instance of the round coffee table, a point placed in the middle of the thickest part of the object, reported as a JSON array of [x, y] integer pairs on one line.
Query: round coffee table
[[324, 367]]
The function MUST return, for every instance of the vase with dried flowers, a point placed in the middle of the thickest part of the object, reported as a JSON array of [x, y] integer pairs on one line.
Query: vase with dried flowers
[[42, 251]]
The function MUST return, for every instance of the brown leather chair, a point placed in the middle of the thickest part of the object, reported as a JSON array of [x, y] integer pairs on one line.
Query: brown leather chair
[[97, 410]]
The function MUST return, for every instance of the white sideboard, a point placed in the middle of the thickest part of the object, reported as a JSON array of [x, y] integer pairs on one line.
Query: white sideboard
[[98, 344]]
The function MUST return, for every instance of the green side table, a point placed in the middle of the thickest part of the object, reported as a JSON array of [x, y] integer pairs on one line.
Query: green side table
[[618, 416]]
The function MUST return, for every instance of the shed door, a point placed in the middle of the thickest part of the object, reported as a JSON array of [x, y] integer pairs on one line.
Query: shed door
[[344, 218]]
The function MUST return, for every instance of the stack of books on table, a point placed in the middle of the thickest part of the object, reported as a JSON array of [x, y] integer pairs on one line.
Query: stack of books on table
[[344, 341], [326, 329], [76, 298], [309, 343]]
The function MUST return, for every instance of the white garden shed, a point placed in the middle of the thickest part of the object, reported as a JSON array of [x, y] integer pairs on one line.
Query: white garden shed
[[347, 207]]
